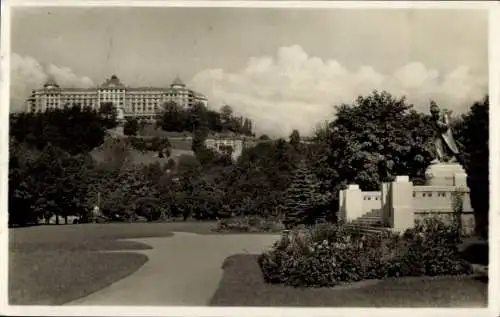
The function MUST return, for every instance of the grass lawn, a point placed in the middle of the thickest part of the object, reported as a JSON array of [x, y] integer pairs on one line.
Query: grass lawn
[[55, 264], [243, 285], [57, 277]]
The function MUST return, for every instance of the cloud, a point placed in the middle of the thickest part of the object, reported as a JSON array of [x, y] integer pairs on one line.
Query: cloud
[[293, 90], [28, 74]]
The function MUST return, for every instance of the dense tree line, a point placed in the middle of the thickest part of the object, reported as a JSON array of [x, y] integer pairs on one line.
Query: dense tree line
[[368, 142], [199, 117], [62, 127]]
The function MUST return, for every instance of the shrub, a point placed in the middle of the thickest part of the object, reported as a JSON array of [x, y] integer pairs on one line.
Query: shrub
[[431, 250], [329, 255], [155, 144], [131, 126], [249, 224]]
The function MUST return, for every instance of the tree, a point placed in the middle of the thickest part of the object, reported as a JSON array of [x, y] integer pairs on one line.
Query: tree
[[170, 165], [295, 139], [60, 127], [247, 127], [198, 143], [148, 207], [321, 131], [114, 154], [214, 121], [109, 114], [187, 164], [226, 116], [120, 194], [371, 141], [472, 136], [173, 118], [131, 126], [21, 186], [46, 183], [199, 118], [303, 198]]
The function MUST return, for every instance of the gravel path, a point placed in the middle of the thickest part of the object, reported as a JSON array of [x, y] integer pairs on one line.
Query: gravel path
[[182, 270]]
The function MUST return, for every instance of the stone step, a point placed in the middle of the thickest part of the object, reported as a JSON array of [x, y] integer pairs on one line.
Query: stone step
[[369, 229], [374, 213], [363, 226], [369, 220]]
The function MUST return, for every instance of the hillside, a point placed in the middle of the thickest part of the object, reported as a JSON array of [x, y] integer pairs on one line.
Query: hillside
[[102, 153]]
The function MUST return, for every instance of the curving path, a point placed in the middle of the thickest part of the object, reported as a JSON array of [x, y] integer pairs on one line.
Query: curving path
[[182, 270]]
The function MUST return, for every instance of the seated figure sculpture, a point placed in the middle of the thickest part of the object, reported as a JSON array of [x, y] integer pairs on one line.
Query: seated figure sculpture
[[445, 170], [446, 150]]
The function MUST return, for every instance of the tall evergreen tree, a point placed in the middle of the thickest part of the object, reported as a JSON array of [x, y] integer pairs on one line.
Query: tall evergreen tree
[[303, 199], [295, 139]]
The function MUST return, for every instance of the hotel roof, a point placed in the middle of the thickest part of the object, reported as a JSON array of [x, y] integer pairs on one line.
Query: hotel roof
[[177, 82], [51, 82], [113, 82]]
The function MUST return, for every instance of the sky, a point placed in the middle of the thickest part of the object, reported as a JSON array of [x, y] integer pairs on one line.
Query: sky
[[283, 68]]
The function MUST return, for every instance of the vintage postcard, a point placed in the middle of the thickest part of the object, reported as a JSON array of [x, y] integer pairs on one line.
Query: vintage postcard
[[251, 158]]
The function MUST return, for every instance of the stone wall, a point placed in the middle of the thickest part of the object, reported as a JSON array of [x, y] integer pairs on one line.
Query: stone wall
[[403, 204], [371, 201]]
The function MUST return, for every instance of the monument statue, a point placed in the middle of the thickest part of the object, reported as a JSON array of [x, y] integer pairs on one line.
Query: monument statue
[[445, 147], [444, 170]]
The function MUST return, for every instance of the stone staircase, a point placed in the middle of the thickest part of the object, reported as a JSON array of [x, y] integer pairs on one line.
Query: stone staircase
[[370, 223]]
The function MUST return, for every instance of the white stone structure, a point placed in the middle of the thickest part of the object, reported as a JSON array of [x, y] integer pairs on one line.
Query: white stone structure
[[399, 204], [220, 144]]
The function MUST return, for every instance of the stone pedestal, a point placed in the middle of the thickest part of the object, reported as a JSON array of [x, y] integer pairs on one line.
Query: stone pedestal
[[446, 174], [450, 174], [402, 215], [385, 201], [353, 203]]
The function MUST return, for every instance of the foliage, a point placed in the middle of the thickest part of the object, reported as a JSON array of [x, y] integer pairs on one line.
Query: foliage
[[249, 224], [45, 183], [368, 142], [114, 154], [371, 141], [131, 126], [173, 118], [295, 139], [198, 117], [121, 190], [109, 114], [473, 136], [199, 137], [149, 208], [303, 199], [60, 127], [335, 255], [156, 144]]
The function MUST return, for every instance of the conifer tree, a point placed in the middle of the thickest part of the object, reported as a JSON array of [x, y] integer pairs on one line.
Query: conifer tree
[[302, 199]]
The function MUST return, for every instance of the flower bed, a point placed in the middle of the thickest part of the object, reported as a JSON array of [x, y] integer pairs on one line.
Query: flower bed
[[330, 255]]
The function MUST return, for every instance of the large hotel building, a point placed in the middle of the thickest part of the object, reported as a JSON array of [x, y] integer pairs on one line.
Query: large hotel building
[[137, 102]]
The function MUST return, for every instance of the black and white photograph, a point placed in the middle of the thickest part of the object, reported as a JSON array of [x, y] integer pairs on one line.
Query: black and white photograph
[[269, 156]]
